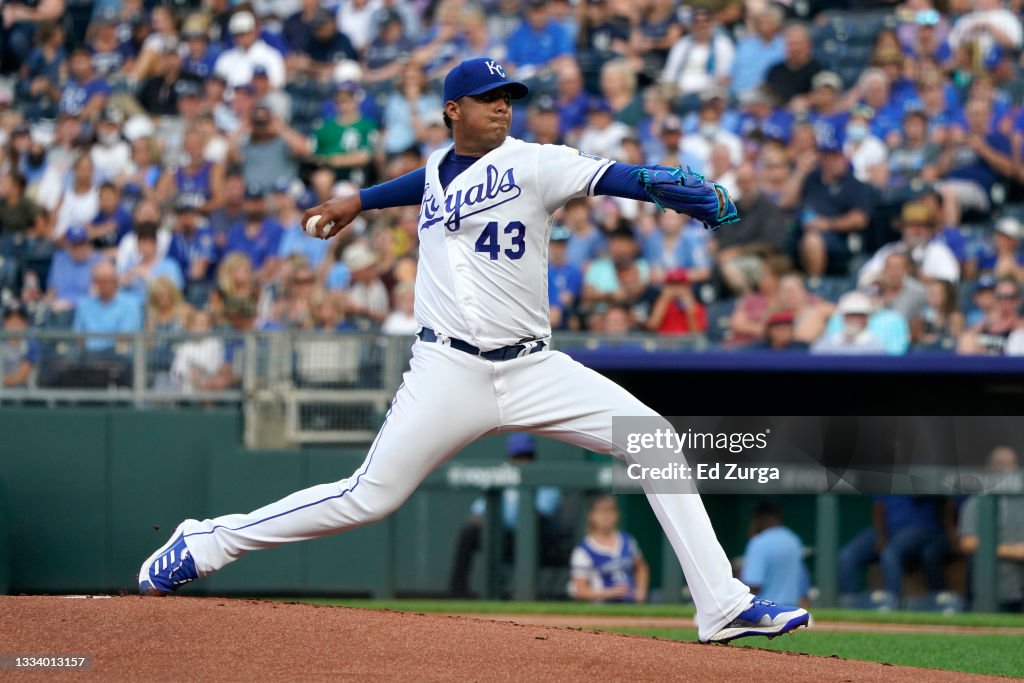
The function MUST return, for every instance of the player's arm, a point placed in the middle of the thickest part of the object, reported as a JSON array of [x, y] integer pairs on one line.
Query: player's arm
[[670, 188], [642, 579], [336, 213]]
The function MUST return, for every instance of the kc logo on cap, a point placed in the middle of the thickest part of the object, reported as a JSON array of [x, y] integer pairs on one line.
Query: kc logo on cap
[[477, 76]]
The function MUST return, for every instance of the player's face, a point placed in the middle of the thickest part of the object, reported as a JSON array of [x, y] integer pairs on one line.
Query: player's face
[[604, 516], [483, 120]]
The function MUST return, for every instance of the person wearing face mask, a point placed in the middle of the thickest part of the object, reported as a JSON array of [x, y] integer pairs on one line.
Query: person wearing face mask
[[111, 155], [711, 133], [867, 154], [853, 336]]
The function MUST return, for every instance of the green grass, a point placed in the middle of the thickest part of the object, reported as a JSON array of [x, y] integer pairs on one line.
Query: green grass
[[968, 653], [590, 609]]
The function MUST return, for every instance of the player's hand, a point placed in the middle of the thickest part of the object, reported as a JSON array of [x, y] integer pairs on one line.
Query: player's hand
[[619, 591], [340, 210]]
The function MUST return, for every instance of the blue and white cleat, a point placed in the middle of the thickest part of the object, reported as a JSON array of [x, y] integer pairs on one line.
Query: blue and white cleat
[[762, 618], [169, 568]]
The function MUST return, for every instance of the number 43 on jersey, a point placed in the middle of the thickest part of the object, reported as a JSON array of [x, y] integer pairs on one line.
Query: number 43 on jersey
[[488, 242]]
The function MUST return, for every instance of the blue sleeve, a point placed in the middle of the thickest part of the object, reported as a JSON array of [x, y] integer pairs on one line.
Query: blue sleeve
[[752, 573], [406, 190], [619, 181]]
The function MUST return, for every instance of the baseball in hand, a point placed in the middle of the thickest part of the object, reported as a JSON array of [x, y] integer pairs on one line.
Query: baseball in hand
[[311, 225]]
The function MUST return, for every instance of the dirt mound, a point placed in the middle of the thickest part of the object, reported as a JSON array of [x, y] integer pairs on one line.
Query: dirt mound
[[135, 638]]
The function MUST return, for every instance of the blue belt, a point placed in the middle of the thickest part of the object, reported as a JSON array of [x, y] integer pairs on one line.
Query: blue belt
[[504, 353]]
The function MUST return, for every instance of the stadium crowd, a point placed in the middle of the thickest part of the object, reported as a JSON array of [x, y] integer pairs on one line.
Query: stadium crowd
[[157, 158]]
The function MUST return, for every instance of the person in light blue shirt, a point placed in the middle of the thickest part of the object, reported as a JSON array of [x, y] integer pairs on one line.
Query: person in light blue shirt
[[773, 564], [758, 51], [106, 312], [887, 327], [71, 271], [538, 41]]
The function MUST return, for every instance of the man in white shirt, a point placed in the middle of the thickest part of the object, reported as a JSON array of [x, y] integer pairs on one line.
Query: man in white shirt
[[934, 260], [991, 24], [237, 64]]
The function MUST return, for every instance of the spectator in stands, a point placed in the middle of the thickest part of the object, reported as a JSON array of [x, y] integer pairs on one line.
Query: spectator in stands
[[853, 337], [618, 87], [602, 37], [406, 110], [931, 257], [888, 326], [1010, 539], [607, 566], [258, 237], [586, 242], [678, 242], [811, 313], [80, 201], [751, 310], [868, 155], [941, 322], [773, 562], [710, 133], [199, 57], [346, 143], [654, 35], [602, 133], [603, 279], [971, 162], [402, 319], [368, 302], [774, 170], [136, 276], [165, 312], [21, 22], [676, 310], [387, 54], [85, 94], [329, 312], [903, 529], [17, 211], [236, 64], [899, 290], [911, 156], [617, 320], [195, 250], [826, 110], [989, 26], [38, 87], [740, 254], [791, 77], [328, 45], [111, 154], [779, 334], [539, 45], [272, 150], [293, 309], [107, 311], [833, 207], [157, 44], [565, 279], [160, 93], [197, 361], [355, 19], [111, 222], [989, 336], [701, 59], [232, 213], [19, 357], [71, 272], [1002, 258], [197, 182], [758, 50]]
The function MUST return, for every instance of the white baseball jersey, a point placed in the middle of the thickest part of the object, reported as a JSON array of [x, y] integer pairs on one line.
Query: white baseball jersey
[[484, 241]]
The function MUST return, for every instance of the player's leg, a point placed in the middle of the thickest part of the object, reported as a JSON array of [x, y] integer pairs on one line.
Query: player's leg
[[553, 395], [445, 402], [853, 557]]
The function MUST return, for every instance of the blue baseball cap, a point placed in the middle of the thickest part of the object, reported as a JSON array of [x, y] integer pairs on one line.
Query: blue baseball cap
[[477, 76], [520, 443], [76, 234]]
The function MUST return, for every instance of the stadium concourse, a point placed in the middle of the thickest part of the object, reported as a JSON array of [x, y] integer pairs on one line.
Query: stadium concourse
[[874, 151]]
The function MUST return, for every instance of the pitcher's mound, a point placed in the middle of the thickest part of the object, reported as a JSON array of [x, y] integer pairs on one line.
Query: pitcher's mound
[[215, 639]]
